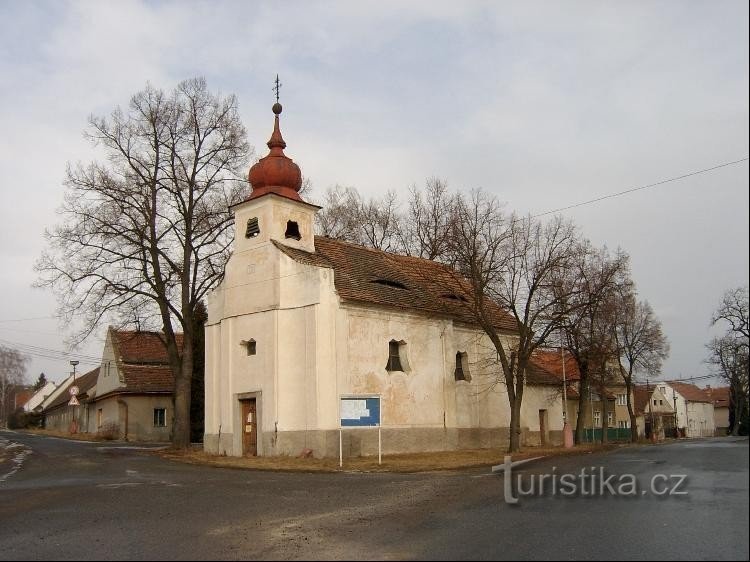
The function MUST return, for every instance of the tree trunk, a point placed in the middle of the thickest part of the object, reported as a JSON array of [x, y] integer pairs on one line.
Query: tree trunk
[[181, 425], [738, 411], [515, 426], [583, 407]]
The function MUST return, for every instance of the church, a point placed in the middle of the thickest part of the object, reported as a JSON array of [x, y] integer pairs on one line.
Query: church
[[302, 323]]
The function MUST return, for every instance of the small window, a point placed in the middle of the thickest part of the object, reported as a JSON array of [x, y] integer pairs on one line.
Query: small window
[[661, 402], [454, 297], [160, 417], [292, 230], [250, 345], [252, 228], [610, 419], [395, 362], [654, 402], [597, 418], [390, 283], [462, 367]]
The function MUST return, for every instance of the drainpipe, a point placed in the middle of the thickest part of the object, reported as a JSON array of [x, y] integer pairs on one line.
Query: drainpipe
[[122, 402]]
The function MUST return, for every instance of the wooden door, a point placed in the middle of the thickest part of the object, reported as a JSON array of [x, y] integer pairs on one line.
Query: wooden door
[[249, 428]]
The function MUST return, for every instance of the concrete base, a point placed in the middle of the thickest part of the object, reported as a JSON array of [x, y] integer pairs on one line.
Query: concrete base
[[364, 442]]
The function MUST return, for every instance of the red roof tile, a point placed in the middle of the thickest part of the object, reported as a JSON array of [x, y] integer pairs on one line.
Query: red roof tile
[[690, 392], [550, 360], [392, 280], [142, 347], [719, 396]]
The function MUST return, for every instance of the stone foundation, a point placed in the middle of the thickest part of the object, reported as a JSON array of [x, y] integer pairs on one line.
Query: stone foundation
[[364, 442]]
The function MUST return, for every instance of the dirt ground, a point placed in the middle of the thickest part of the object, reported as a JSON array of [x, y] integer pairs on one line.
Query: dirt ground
[[416, 462]]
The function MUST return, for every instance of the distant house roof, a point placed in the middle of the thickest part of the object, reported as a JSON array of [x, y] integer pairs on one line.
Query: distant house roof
[[641, 397], [551, 360], [22, 396], [84, 383], [375, 277], [690, 392], [719, 396], [143, 362]]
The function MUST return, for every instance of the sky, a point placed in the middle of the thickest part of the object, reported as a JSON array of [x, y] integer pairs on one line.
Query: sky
[[545, 104]]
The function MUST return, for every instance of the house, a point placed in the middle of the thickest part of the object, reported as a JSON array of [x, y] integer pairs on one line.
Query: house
[[302, 323], [39, 396], [60, 415], [615, 394], [655, 414], [134, 389], [694, 408], [721, 400]]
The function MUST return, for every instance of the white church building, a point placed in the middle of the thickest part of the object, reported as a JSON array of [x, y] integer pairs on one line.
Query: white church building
[[300, 321]]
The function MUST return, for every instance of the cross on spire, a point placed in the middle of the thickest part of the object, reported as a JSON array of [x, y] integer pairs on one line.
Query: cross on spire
[[277, 87]]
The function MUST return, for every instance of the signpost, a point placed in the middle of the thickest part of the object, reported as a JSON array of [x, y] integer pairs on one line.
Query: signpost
[[361, 411]]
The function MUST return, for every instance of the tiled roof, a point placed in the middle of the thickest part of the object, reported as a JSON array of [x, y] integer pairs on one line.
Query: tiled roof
[[380, 278], [148, 378], [550, 360], [142, 347], [719, 396], [143, 362], [690, 392], [641, 395], [84, 383]]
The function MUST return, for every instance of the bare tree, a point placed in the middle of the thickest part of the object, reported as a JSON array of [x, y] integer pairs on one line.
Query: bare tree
[[593, 280], [12, 372], [729, 353], [426, 227], [641, 344], [146, 233], [514, 263], [734, 310], [380, 223], [338, 217]]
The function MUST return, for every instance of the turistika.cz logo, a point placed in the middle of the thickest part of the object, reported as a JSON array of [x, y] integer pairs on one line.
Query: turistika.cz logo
[[589, 482]]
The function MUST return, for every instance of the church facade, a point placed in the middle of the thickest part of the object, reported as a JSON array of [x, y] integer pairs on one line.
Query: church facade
[[300, 321]]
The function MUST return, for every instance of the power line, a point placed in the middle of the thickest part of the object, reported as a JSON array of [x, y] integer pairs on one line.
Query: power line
[[49, 353], [662, 182], [29, 319]]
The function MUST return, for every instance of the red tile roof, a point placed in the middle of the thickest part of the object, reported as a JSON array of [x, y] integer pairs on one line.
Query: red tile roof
[[380, 278], [143, 362], [690, 392], [142, 347], [84, 383], [641, 395], [550, 360], [719, 396]]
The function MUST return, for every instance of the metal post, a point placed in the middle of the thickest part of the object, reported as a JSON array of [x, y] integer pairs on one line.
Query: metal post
[[341, 451]]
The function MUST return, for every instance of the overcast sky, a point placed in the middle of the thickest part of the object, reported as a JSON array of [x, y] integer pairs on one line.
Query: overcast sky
[[546, 104]]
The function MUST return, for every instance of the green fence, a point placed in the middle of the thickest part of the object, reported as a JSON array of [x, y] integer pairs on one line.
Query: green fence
[[613, 434]]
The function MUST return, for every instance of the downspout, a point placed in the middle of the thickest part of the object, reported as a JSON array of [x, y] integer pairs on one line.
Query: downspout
[[122, 402]]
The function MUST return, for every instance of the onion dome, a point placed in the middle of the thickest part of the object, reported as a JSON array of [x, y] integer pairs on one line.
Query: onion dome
[[276, 173]]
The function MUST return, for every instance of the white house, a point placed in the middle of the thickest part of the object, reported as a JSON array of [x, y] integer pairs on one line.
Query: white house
[[39, 396], [695, 409], [300, 321]]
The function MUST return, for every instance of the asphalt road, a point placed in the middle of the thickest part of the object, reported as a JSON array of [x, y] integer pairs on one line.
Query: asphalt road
[[71, 500]]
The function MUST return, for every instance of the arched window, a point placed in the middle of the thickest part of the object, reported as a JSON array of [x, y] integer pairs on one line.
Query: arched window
[[292, 230]]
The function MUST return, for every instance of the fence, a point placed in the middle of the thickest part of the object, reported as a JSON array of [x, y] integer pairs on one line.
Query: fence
[[613, 434]]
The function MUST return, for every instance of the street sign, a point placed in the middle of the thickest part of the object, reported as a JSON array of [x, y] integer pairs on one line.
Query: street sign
[[74, 391], [73, 401]]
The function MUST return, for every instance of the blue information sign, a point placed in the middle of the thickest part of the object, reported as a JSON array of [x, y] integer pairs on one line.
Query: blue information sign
[[360, 411]]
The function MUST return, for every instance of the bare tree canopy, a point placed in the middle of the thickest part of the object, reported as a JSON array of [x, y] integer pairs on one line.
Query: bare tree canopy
[[12, 373], [729, 353], [147, 231], [514, 262], [734, 311], [426, 226]]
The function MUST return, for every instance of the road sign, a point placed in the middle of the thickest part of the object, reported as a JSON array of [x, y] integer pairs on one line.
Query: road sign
[[74, 390], [73, 401]]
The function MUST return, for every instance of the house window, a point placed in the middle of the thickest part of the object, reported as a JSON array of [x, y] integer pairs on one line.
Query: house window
[[622, 400], [661, 402], [597, 418], [610, 419], [160, 417], [654, 402], [99, 414], [663, 389], [462, 367], [252, 229], [251, 346], [292, 230], [622, 424], [397, 356]]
